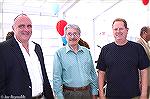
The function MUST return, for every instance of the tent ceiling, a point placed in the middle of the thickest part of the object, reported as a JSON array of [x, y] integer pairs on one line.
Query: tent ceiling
[[95, 8], [45, 7], [80, 8]]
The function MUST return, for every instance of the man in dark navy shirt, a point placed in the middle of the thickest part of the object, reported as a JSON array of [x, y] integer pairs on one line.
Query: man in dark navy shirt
[[121, 62]]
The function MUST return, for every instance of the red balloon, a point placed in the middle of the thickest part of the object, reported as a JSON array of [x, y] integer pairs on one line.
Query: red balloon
[[145, 2], [60, 26]]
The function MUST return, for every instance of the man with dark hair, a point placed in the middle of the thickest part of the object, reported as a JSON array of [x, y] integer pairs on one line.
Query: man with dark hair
[[143, 40], [83, 43], [9, 35]]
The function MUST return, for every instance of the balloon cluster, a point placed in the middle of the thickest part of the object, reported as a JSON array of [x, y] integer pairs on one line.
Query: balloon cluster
[[60, 29]]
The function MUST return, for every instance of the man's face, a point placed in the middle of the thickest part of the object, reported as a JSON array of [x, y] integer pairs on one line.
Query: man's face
[[22, 28], [148, 35], [72, 36], [119, 31]]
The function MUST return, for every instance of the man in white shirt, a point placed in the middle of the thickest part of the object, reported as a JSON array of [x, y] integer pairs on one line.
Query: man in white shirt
[[23, 73]]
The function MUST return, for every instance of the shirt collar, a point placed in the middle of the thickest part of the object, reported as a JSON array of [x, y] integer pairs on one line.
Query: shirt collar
[[31, 45], [68, 48]]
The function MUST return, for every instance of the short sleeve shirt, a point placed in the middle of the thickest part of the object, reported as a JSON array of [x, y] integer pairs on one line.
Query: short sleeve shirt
[[121, 64]]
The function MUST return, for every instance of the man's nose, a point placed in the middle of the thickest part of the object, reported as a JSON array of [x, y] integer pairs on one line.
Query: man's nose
[[72, 36]]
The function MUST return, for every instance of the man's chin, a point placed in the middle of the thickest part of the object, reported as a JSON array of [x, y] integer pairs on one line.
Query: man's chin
[[72, 44]]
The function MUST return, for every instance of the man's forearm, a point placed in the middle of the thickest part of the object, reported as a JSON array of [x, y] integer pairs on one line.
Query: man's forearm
[[144, 82], [101, 80]]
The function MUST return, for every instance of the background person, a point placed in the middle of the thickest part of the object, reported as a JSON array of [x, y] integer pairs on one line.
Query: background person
[[83, 43], [143, 40], [9, 35]]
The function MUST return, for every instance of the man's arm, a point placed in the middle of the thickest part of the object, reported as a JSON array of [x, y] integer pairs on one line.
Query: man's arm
[[144, 82], [2, 75], [101, 81], [57, 80]]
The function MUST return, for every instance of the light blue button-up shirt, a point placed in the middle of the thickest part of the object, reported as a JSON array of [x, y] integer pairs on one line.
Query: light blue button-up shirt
[[73, 70]]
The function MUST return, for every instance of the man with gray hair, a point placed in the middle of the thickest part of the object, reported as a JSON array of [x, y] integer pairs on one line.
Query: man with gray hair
[[74, 76]]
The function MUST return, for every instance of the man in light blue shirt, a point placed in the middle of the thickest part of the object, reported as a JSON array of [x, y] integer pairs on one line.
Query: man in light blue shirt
[[74, 76]]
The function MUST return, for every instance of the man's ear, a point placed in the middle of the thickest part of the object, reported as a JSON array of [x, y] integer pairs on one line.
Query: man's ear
[[13, 27], [144, 33]]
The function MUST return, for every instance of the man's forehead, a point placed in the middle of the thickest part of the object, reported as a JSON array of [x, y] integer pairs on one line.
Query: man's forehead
[[22, 19], [19, 16], [118, 23]]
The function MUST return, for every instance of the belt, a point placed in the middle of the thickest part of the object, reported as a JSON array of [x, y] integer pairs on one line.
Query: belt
[[38, 96], [65, 88]]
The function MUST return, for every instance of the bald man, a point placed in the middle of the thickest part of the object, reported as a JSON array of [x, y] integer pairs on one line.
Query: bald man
[[22, 68]]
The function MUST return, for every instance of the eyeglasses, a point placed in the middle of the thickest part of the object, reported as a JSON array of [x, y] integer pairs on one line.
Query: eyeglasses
[[73, 34]]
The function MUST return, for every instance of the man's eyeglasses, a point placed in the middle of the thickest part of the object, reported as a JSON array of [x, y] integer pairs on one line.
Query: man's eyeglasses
[[73, 34]]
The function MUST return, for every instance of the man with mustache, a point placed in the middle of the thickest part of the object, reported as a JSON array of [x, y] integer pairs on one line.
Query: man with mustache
[[74, 76]]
